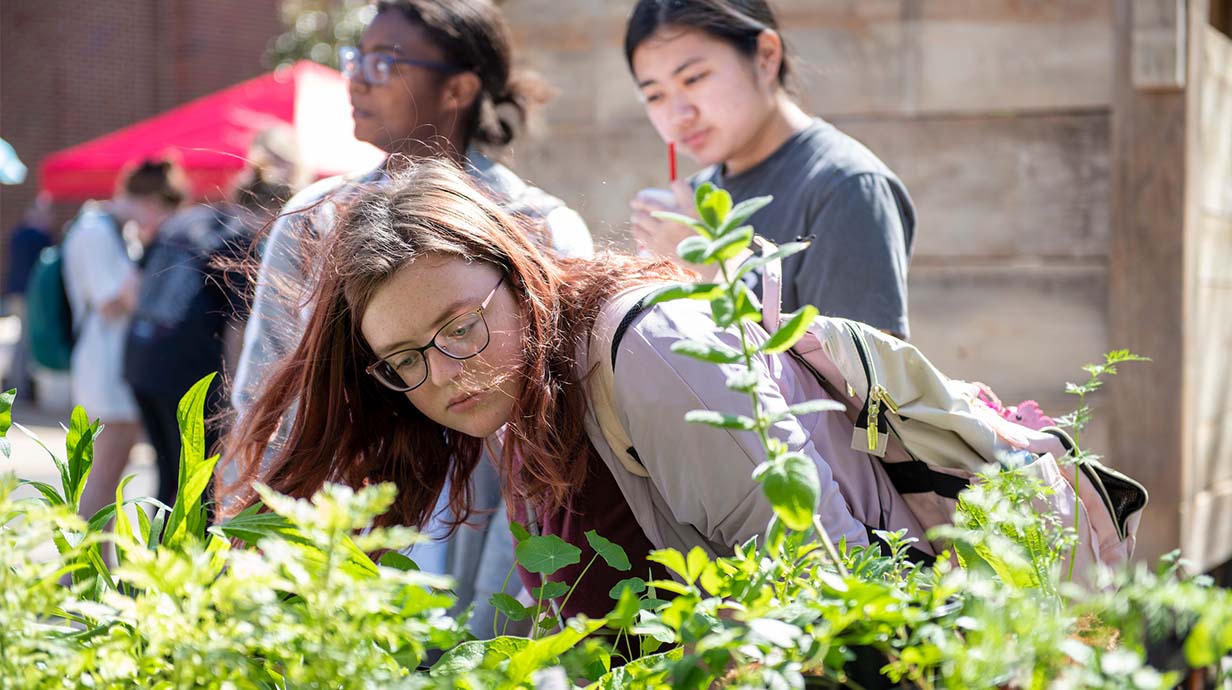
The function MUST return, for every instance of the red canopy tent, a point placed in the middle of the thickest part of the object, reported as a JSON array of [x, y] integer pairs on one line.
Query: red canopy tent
[[210, 136]]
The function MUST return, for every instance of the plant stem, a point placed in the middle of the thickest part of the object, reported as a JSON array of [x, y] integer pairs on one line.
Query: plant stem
[[1078, 424], [560, 614], [496, 613], [828, 545]]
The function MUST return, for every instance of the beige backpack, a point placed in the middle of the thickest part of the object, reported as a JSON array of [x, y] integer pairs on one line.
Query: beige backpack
[[931, 433]]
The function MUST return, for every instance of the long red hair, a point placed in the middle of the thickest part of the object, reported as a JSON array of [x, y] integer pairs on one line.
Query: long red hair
[[321, 418]]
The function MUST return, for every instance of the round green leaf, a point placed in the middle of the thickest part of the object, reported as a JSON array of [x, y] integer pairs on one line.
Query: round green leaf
[[793, 487], [610, 552], [546, 555], [637, 584], [550, 590], [512, 608]]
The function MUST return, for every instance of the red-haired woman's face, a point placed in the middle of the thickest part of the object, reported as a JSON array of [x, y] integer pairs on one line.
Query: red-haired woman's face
[[474, 396]]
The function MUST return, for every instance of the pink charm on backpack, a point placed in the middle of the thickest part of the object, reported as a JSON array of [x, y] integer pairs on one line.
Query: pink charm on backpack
[[1026, 413]]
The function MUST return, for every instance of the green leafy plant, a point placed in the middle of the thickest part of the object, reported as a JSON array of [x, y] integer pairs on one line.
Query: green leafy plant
[[302, 603]]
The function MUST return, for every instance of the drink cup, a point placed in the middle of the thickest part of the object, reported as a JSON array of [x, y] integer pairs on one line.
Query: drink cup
[[658, 196]]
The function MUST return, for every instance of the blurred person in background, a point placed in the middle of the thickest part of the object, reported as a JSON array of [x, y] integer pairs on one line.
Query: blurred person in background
[[430, 78], [192, 294], [102, 283], [31, 236]]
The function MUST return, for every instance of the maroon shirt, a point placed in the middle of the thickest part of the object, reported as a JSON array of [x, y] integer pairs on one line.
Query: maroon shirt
[[598, 506]]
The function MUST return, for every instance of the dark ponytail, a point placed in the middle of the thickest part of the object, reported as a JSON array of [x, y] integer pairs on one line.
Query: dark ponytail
[[738, 23], [474, 36]]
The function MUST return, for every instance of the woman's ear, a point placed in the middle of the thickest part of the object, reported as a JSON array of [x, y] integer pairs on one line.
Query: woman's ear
[[461, 90], [769, 56]]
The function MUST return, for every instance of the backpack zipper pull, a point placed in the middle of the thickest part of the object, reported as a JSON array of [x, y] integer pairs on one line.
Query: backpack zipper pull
[[884, 396], [874, 409]]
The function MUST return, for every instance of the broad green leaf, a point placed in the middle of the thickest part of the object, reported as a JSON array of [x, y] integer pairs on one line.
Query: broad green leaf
[[1209, 640], [540, 653], [706, 291], [720, 420], [546, 554], [6, 420], [671, 559], [693, 249], [550, 590], [707, 352], [696, 561], [811, 406], [143, 523], [47, 490], [689, 221], [793, 487], [727, 246], [647, 671], [747, 309], [703, 192], [79, 446], [723, 310], [398, 561], [714, 207], [511, 607], [791, 332], [743, 380], [671, 586], [742, 212], [636, 584], [610, 552], [779, 254], [712, 579], [477, 654], [188, 515], [625, 612], [463, 658], [519, 531], [123, 526]]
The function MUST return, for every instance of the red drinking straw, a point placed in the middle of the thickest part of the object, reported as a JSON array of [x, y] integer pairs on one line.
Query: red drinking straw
[[671, 160]]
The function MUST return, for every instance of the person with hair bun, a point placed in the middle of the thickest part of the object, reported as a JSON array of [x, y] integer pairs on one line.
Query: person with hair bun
[[429, 78], [714, 79], [102, 284]]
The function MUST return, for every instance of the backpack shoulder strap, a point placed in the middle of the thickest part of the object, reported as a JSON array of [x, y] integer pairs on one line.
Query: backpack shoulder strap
[[771, 285], [613, 321]]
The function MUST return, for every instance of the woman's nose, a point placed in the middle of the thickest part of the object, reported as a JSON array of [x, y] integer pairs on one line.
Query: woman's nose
[[442, 368], [682, 109]]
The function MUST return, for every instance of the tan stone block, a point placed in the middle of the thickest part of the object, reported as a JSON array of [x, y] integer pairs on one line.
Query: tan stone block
[[972, 65], [1024, 330], [1000, 186]]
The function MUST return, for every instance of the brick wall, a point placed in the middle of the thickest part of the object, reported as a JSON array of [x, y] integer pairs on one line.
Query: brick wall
[[71, 70]]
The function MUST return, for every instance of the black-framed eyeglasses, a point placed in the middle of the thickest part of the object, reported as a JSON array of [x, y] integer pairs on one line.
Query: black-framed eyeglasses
[[376, 68], [462, 337]]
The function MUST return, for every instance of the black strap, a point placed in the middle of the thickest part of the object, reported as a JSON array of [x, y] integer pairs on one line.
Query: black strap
[[862, 419], [625, 322], [917, 477]]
